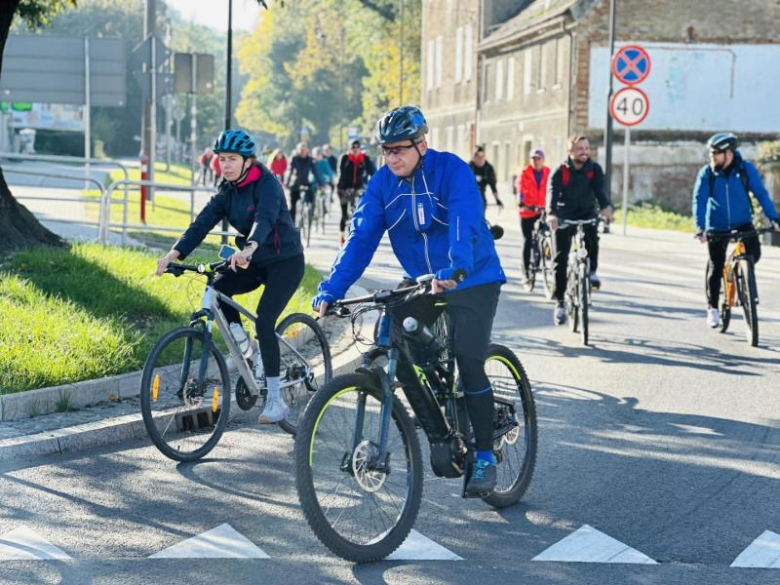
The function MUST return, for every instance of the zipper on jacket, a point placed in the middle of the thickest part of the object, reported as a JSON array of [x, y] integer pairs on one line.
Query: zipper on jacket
[[427, 259], [728, 203]]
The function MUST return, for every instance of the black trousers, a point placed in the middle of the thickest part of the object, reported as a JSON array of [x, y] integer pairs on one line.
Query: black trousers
[[527, 227], [563, 237], [471, 312], [717, 250], [281, 280]]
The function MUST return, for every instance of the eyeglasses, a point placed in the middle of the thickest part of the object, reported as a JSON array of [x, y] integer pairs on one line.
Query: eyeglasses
[[396, 150]]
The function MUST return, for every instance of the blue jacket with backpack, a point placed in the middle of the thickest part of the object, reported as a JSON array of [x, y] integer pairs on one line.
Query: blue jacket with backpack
[[721, 201], [435, 222]]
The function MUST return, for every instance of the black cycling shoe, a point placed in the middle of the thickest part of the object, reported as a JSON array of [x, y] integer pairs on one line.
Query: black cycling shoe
[[483, 478]]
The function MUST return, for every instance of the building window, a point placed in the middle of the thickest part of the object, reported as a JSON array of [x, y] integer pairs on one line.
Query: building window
[[527, 70], [510, 79], [461, 145], [430, 66], [560, 61], [437, 66], [486, 87], [450, 138], [499, 80], [459, 55], [435, 138], [508, 161], [541, 68], [468, 49]]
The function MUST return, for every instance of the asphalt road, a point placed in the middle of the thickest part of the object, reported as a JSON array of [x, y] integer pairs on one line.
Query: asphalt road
[[663, 436]]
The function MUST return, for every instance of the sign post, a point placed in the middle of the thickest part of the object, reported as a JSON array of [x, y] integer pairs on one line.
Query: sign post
[[630, 105]]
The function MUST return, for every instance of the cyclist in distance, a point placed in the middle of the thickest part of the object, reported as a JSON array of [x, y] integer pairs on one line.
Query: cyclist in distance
[[721, 203], [572, 193], [428, 203], [531, 193], [301, 168], [271, 254], [354, 170]]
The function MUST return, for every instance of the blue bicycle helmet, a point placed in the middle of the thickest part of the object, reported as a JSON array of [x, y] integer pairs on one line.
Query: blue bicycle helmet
[[722, 142], [236, 141], [404, 123]]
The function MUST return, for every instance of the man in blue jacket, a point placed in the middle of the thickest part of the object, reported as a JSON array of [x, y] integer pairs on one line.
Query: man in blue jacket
[[430, 205], [721, 203]]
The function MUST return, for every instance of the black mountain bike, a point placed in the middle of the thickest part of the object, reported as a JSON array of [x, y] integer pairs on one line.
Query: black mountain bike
[[358, 461], [739, 281], [541, 254], [578, 287], [186, 386]]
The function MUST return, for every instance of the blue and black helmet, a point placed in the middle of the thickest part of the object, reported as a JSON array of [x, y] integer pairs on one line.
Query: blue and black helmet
[[404, 123], [722, 142], [236, 141]]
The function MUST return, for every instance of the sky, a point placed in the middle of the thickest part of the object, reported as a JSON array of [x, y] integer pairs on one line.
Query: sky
[[213, 13]]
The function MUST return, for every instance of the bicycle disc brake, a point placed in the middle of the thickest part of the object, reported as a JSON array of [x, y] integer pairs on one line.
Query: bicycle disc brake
[[364, 467]]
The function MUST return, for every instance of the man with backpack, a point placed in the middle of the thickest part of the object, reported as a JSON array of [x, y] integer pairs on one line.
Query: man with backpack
[[721, 203], [573, 191]]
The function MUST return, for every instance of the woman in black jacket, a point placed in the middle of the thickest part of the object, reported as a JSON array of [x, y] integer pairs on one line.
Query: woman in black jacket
[[253, 202]]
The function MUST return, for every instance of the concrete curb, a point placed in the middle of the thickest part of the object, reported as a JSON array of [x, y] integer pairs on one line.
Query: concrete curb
[[111, 430]]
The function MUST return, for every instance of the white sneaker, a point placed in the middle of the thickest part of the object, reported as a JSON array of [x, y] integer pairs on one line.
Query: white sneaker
[[242, 339], [559, 315], [713, 318], [274, 411]]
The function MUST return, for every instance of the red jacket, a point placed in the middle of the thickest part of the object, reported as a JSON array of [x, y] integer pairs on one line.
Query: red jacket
[[529, 193], [279, 166]]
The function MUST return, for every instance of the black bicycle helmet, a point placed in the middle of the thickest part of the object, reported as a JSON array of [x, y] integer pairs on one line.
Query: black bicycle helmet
[[236, 141], [404, 123], [722, 142]]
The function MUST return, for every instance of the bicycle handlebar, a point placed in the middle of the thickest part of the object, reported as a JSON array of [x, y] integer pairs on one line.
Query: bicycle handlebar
[[179, 269], [572, 222], [736, 235]]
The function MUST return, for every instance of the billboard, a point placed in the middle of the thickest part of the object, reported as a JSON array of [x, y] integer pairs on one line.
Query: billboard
[[699, 87]]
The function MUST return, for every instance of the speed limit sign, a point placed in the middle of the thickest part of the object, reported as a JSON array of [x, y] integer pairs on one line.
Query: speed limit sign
[[629, 106]]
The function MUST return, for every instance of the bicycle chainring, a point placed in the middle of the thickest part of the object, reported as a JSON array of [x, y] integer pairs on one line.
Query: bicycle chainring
[[244, 397]]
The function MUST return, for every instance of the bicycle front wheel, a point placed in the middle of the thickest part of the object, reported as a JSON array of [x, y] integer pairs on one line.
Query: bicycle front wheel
[[583, 292], [185, 394], [309, 222], [360, 508], [749, 299], [548, 274], [305, 364], [515, 450]]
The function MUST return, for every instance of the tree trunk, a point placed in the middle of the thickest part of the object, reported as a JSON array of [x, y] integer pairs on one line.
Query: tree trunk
[[18, 227]]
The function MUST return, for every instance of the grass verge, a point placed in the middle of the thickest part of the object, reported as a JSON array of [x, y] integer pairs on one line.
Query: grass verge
[[93, 311], [651, 215]]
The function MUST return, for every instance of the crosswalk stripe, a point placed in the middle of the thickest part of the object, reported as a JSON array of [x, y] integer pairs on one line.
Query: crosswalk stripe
[[222, 542], [588, 545], [763, 552], [418, 547], [24, 544]]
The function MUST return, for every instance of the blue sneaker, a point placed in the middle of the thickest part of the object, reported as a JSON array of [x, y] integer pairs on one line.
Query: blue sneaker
[[483, 478]]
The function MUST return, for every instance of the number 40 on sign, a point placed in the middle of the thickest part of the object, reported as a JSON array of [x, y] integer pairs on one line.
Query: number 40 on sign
[[629, 106]]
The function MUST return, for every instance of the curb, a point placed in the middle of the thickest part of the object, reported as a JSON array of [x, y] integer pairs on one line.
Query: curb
[[118, 429]]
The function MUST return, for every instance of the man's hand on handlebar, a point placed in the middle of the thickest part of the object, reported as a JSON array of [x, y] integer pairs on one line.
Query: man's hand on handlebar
[[607, 214], [162, 263]]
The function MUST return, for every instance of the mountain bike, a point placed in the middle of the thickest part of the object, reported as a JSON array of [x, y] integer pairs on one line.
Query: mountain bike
[[305, 212], [541, 254], [358, 461], [320, 209], [578, 287], [739, 281], [186, 385]]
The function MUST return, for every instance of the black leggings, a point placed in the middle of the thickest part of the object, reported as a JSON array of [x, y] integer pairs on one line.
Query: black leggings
[[717, 250], [471, 314], [347, 199], [527, 227], [281, 280], [563, 237]]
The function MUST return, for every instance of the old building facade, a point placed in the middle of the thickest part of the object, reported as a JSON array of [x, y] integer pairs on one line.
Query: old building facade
[[542, 74]]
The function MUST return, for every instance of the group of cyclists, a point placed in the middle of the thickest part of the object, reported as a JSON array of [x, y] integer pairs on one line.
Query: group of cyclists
[[431, 204]]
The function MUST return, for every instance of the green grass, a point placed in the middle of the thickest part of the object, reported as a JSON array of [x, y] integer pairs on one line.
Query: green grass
[[93, 311], [651, 215]]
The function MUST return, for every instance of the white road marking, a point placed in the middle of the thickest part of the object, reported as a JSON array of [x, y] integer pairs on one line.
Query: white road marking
[[588, 545], [222, 542], [24, 544], [763, 552], [417, 547]]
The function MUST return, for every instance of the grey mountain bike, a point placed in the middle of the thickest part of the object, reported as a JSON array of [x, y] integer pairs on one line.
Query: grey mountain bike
[[578, 287], [186, 387]]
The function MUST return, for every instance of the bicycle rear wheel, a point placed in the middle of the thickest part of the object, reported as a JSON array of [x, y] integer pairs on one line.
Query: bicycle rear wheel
[[309, 222], [359, 512], [748, 292], [185, 396], [515, 450], [305, 364]]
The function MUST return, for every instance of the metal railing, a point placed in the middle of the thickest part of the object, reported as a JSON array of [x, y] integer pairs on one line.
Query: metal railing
[[107, 198]]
